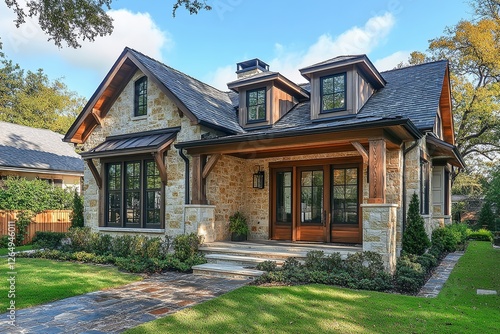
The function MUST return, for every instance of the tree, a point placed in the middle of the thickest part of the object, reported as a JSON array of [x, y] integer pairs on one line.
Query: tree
[[31, 99], [473, 50], [73, 20], [415, 239]]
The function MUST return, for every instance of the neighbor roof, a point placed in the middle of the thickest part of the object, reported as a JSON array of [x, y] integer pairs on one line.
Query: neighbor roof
[[23, 147]]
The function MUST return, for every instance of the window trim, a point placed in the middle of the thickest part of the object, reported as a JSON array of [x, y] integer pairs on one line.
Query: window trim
[[321, 79], [143, 159], [138, 95], [259, 120], [425, 191]]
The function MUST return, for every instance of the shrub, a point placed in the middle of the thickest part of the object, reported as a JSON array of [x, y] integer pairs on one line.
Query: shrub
[[415, 239], [121, 246], [76, 215], [238, 224], [486, 216], [4, 241], [364, 265], [427, 261], [267, 266], [481, 235], [446, 239], [314, 260], [409, 276], [186, 246], [50, 240]]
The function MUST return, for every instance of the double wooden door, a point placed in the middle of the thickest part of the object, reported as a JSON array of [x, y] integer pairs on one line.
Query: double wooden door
[[316, 203]]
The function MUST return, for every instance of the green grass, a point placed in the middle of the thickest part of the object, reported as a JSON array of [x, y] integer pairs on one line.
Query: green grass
[[40, 281], [5, 251], [324, 309]]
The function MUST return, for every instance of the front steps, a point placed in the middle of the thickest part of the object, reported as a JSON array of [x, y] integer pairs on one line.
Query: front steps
[[239, 259]]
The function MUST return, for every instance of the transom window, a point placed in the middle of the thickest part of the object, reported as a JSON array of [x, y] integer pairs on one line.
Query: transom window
[[256, 105], [133, 194], [141, 97], [333, 93]]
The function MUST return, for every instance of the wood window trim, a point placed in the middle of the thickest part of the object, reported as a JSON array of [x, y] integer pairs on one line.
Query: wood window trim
[[103, 203], [334, 110], [247, 99]]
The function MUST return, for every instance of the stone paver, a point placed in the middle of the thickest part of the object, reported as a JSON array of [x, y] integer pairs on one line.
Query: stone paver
[[116, 310], [434, 285]]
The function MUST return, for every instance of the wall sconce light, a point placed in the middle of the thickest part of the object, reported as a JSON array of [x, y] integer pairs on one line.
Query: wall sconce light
[[258, 179]]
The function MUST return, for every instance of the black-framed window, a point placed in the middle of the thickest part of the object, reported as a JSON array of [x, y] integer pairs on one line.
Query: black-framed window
[[133, 194], [256, 105], [345, 196], [424, 186], [333, 93], [141, 97], [284, 197]]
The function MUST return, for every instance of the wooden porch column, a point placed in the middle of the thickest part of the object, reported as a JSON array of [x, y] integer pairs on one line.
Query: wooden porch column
[[377, 177], [198, 182]]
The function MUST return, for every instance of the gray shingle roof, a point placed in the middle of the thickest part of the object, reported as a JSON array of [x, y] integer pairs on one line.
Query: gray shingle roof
[[337, 59], [411, 92], [207, 103], [25, 147]]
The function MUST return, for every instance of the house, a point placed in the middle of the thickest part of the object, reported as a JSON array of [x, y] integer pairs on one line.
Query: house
[[333, 160], [39, 154]]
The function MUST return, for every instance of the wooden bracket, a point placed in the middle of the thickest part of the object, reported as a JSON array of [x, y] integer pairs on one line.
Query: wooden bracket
[[160, 164], [210, 165], [97, 117], [95, 173], [361, 151]]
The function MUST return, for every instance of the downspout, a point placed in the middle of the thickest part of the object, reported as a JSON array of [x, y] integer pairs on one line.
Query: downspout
[[405, 152], [186, 176]]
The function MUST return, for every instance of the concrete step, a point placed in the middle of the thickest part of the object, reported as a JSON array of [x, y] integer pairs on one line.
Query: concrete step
[[265, 253], [245, 261], [226, 270]]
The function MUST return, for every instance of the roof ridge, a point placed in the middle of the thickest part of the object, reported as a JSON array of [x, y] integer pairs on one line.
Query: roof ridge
[[416, 65], [173, 69]]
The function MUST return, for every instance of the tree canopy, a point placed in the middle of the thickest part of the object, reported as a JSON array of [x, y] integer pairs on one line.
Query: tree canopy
[[71, 21], [472, 48], [31, 99]]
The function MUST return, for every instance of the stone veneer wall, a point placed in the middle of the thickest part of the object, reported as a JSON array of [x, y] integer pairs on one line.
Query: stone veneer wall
[[162, 113]]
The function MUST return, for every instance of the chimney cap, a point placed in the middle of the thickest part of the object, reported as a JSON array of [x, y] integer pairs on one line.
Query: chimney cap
[[251, 64]]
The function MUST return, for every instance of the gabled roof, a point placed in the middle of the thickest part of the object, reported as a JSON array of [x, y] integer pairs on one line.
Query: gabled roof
[[412, 92], [26, 148], [362, 61], [200, 102]]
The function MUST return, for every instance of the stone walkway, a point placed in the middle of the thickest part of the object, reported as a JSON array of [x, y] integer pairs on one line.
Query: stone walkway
[[434, 285], [116, 310]]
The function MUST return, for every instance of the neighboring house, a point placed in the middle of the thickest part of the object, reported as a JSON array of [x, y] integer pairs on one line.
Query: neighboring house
[[336, 159], [39, 154]]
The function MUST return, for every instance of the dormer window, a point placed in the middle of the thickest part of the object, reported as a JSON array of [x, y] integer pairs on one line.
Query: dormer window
[[333, 93], [141, 97], [256, 105]]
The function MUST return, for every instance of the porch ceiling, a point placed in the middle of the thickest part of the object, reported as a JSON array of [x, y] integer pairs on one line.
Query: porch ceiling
[[252, 147]]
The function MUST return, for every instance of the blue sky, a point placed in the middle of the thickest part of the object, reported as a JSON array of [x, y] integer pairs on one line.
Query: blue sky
[[286, 34]]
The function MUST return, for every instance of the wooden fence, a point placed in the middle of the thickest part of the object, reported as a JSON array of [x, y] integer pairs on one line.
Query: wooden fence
[[51, 220]]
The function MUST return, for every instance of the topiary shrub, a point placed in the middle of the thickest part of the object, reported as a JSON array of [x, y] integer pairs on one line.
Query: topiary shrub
[[415, 239]]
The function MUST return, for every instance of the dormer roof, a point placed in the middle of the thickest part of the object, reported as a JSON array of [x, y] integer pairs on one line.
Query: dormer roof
[[361, 61]]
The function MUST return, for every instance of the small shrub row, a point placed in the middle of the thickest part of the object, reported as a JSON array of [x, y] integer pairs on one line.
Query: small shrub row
[[481, 235], [131, 253], [364, 270], [412, 272]]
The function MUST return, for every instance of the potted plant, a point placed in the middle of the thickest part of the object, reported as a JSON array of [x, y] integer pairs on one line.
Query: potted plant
[[238, 227]]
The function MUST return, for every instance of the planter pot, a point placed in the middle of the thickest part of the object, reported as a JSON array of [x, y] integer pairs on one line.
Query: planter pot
[[238, 237]]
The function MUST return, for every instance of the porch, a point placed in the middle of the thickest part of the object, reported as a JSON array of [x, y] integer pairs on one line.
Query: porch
[[239, 259]]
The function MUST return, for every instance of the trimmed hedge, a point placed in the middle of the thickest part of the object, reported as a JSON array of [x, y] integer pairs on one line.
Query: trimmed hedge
[[481, 235]]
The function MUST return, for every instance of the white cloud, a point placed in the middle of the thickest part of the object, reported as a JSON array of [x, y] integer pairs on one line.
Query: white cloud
[[136, 30], [391, 61], [356, 40]]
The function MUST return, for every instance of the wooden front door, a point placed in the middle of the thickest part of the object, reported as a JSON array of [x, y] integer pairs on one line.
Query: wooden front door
[[318, 203], [312, 206]]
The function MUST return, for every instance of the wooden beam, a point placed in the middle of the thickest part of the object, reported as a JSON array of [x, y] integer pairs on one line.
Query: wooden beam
[[361, 151], [377, 174], [210, 165], [97, 117], [160, 164], [198, 184], [95, 173]]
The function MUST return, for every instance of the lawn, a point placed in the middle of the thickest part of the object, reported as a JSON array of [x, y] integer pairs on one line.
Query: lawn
[[325, 309], [40, 281], [5, 251]]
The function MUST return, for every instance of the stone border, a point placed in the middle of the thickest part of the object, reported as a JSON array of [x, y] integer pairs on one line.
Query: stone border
[[434, 285]]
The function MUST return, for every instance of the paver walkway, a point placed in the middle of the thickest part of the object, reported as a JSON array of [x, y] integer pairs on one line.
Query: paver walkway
[[434, 285], [116, 310]]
